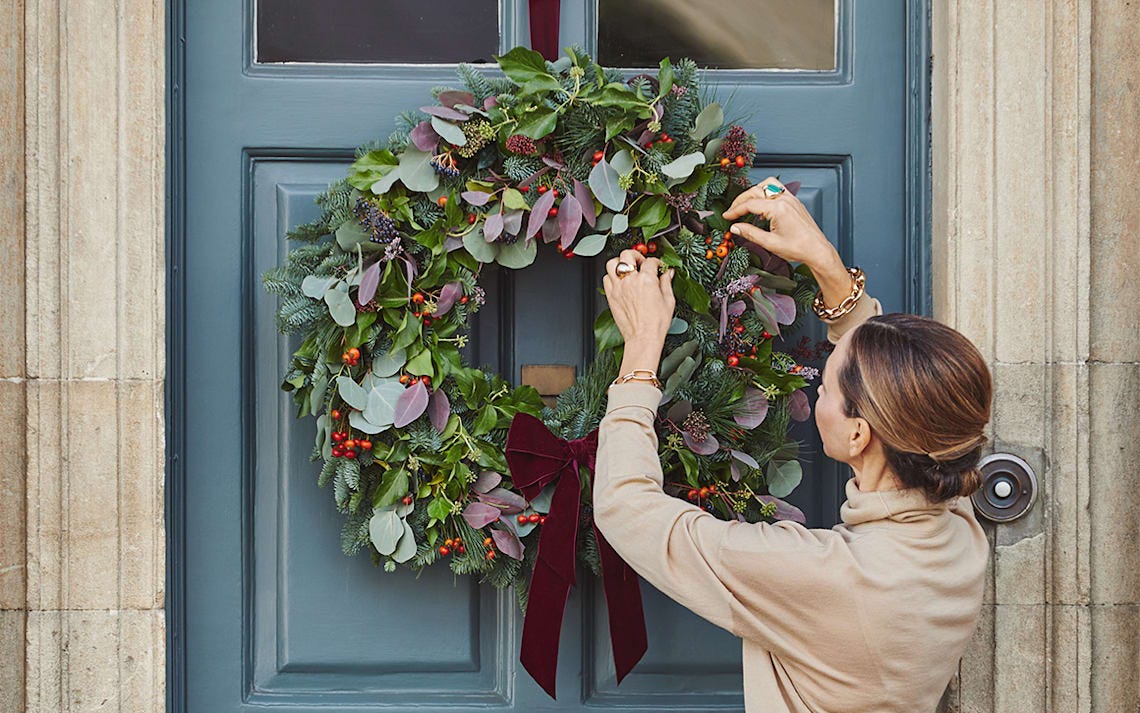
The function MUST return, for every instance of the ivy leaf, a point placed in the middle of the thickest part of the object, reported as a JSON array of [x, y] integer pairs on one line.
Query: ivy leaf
[[370, 168], [689, 461], [569, 220], [708, 121], [606, 332], [752, 409], [538, 123], [783, 477], [406, 549], [450, 132], [526, 68], [650, 212], [479, 515], [691, 292], [683, 166], [439, 410], [485, 420], [368, 283], [798, 406], [352, 393], [340, 306], [508, 543], [538, 213], [393, 486], [385, 530], [411, 404], [439, 509], [420, 364], [664, 77], [513, 199], [590, 245], [603, 182], [518, 254]]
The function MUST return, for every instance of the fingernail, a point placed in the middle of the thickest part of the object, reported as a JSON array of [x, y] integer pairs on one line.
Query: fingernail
[[735, 230]]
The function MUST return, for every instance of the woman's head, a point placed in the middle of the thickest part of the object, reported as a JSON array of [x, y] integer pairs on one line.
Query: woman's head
[[918, 390]]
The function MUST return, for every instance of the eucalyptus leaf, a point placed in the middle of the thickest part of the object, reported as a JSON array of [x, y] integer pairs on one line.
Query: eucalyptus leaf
[[450, 132], [387, 364], [518, 254], [406, 549], [340, 305], [352, 393], [590, 245], [683, 166], [381, 408], [620, 223], [479, 248], [356, 420], [677, 326], [708, 121], [603, 182], [622, 162], [385, 530], [783, 477], [477, 198], [679, 378], [350, 234], [416, 171], [316, 286]]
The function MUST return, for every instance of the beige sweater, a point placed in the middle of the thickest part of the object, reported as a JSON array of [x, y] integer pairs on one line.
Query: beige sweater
[[871, 615]]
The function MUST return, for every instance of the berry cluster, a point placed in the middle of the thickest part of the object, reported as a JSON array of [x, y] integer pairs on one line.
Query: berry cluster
[[737, 149], [376, 221], [444, 164], [478, 133], [453, 544], [517, 143], [346, 446], [533, 518], [351, 357], [721, 250]]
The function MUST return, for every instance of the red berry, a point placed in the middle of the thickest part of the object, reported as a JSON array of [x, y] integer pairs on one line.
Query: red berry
[[733, 360], [552, 212], [669, 140], [490, 554], [543, 189], [542, 520], [335, 414], [354, 353], [693, 494], [350, 443], [522, 519], [463, 300], [555, 192], [740, 161], [418, 298], [739, 329], [664, 136], [444, 550], [350, 454], [366, 445], [599, 155], [652, 248], [407, 500], [712, 488], [641, 248], [535, 517], [470, 218], [462, 550], [766, 334], [704, 492], [336, 436], [426, 380], [524, 189], [427, 321]]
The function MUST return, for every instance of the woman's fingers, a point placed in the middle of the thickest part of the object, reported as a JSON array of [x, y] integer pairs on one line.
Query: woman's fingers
[[756, 191], [763, 207], [752, 234], [665, 282]]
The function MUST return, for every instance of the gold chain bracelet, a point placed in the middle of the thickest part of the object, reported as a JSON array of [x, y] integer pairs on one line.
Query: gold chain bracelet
[[858, 282], [633, 376]]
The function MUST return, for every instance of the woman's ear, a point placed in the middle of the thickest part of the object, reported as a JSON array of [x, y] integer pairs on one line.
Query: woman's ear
[[859, 438]]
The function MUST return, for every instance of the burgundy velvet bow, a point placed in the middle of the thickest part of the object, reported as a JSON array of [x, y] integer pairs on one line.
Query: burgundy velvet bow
[[537, 457], [544, 27]]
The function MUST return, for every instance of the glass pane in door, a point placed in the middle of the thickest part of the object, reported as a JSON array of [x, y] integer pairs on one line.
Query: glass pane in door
[[756, 34], [377, 31]]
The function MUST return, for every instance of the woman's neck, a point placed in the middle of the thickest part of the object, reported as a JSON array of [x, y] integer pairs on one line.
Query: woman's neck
[[873, 473]]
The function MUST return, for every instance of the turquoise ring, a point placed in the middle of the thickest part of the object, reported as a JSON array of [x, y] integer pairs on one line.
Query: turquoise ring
[[772, 190]]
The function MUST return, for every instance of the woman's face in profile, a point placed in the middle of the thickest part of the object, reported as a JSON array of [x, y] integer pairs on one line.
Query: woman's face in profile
[[834, 426]]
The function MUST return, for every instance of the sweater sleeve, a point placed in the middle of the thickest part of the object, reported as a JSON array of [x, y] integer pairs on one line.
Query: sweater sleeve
[[865, 308], [778, 584]]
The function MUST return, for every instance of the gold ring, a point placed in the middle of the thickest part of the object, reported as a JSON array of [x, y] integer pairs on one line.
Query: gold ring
[[771, 190], [623, 269]]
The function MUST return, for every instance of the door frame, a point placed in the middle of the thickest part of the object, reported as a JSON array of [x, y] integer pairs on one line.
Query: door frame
[[918, 292]]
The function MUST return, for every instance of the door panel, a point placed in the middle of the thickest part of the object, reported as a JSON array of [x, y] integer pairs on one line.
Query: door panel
[[274, 613]]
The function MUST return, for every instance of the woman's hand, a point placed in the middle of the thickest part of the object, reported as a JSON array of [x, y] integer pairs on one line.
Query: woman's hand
[[792, 235], [642, 304]]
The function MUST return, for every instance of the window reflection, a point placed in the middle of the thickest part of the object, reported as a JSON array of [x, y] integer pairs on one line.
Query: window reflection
[[756, 34]]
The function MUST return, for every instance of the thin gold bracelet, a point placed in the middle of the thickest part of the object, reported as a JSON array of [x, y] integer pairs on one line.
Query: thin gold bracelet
[[858, 282], [632, 376]]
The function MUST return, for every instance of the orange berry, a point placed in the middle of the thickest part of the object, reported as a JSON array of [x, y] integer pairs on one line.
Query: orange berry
[[708, 254], [641, 248], [487, 541], [404, 378], [418, 298], [445, 551], [354, 353], [442, 200], [724, 162], [721, 250]]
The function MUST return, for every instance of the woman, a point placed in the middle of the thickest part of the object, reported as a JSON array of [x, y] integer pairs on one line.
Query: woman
[[874, 613]]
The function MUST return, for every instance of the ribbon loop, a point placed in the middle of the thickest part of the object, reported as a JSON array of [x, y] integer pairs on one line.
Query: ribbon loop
[[536, 458]]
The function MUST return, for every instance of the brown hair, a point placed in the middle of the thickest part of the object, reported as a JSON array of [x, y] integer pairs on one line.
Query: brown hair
[[926, 391]]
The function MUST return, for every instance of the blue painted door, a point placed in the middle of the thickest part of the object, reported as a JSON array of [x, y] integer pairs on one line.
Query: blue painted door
[[267, 611]]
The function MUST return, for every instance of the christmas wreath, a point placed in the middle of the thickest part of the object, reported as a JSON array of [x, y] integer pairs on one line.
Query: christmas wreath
[[383, 286]]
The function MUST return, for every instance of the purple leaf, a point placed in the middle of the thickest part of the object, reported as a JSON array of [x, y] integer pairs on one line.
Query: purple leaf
[[678, 411], [448, 295], [411, 404], [538, 213], [493, 227], [368, 283], [766, 310], [702, 214], [734, 470], [508, 543], [487, 481], [534, 176], [480, 515], [658, 112], [784, 511], [645, 138], [569, 220], [490, 102], [512, 221], [444, 112], [705, 448], [507, 501], [439, 410], [586, 202], [723, 326], [424, 137], [745, 458], [752, 408], [552, 163], [476, 197], [452, 97], [785, 307], [452, 243], [735, 309], [798, 406], [793, 187], [550, 230], [411, 269]]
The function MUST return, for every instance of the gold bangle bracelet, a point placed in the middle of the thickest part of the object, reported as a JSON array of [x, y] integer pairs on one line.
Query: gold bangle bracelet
[[633, 376], [858, 283]]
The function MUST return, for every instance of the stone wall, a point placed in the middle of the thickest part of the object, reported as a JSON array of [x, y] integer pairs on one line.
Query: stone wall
[[1036, 148], [1036, 143]]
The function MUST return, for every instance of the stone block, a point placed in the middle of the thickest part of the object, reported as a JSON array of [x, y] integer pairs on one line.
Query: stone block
[[976, 671], [12, 190], [1021, 661], [1115, 658], [1114, 496], [1019, 407], [13, 498], [12, 630], [1066, 485]]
